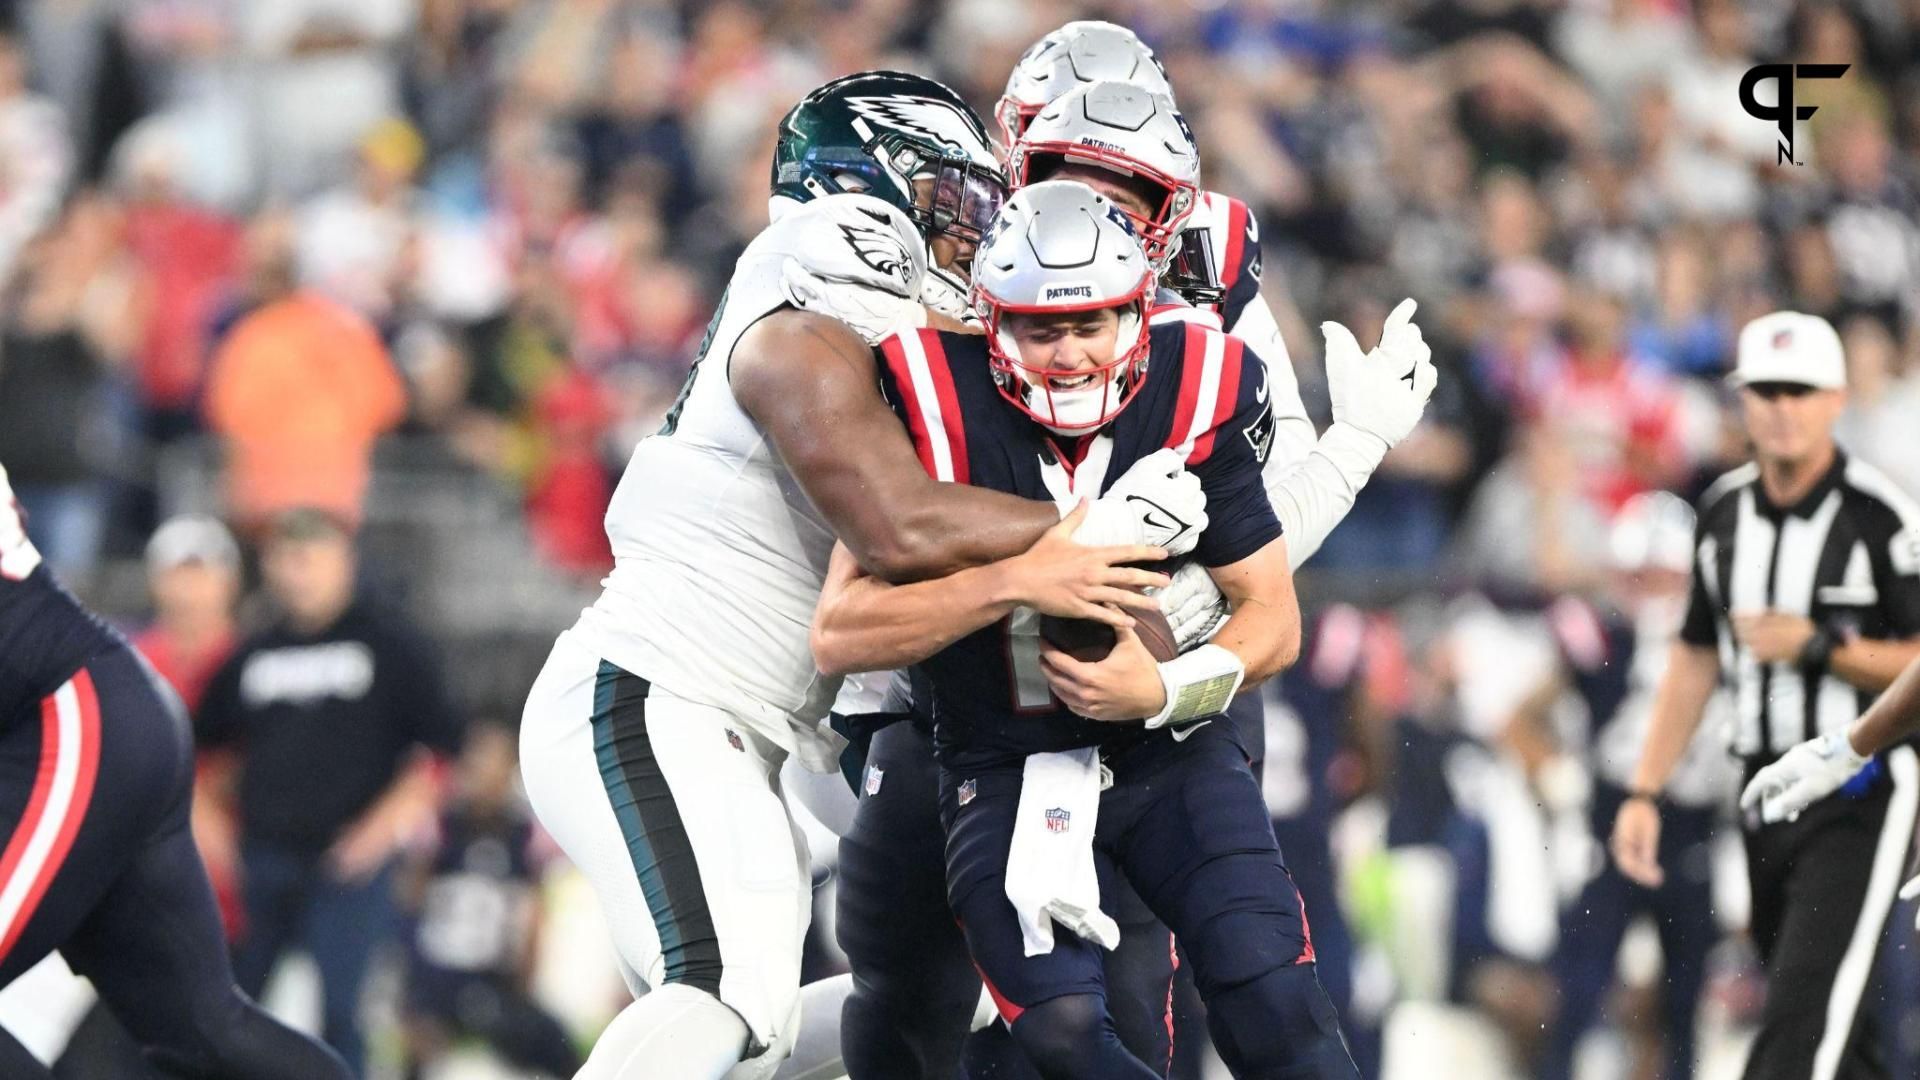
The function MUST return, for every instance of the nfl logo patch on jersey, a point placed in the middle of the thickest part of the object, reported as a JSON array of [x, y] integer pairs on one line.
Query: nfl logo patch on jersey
[[733, 740], [874, 775], [1059, 819], [968, 789]]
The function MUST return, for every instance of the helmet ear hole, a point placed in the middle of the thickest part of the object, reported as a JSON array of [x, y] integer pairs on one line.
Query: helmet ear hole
[[852, 182]]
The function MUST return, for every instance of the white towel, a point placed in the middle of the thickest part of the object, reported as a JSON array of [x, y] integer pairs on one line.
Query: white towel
[[1050, 876]]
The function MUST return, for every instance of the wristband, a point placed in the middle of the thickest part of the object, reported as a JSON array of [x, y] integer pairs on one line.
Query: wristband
[[1817, 653], [1645, 795], [1198, 684]]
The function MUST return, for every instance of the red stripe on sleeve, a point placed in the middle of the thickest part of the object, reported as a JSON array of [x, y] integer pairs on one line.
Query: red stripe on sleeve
[[36, 803], [75, 809], [1192, 347], [950, 415], [1236, 242], [82, 799], [1229, 397], [896, 358]]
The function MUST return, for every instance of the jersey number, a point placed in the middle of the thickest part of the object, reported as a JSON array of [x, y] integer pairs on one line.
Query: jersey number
[[671, 422]]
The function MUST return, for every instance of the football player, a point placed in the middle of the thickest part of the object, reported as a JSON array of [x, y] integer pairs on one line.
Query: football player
[[652, 740], [96, 773], [1128, 141], [1048, 762]]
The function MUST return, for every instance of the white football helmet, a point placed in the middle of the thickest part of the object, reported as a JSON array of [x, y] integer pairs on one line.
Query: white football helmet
[[1135, 133], [1058, 247], [1652, 531], [1073, 55]]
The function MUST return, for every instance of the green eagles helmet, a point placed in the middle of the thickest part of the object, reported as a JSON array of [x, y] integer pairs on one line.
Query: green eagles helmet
[[879, 131]]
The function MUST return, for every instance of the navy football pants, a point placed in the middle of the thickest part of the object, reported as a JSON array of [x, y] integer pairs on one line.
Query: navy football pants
[[1185, 823], [95, 788]]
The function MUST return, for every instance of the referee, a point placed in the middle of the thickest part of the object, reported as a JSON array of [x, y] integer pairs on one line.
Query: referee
[[1806, 602]]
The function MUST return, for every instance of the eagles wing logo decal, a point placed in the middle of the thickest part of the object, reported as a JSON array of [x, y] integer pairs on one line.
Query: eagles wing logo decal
[[881, 250], [930, 118]]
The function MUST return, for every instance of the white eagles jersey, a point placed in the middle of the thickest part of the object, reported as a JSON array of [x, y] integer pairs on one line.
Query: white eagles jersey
[[719, 556]]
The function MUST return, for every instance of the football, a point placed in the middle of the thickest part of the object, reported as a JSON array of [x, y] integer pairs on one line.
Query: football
[[1085, 639]]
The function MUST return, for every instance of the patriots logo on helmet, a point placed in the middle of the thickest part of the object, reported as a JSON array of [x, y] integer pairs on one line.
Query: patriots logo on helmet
[[930, 118], [1059, 820], [880, 249]]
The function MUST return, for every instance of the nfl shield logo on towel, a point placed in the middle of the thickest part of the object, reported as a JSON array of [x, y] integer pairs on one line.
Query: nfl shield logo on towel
[[874, 776], [1058, 819], [733, 740], [968, 789]]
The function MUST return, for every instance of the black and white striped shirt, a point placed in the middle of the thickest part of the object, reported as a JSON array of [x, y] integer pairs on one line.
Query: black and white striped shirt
[[1847, 556]]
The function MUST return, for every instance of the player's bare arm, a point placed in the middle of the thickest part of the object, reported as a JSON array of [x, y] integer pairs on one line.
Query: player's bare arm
[[1260, 639], [1893, 717], [866, 624], [1678, 704], [811, 384]]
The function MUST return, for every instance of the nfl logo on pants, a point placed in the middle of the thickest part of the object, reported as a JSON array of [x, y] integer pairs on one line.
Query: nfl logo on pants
[[1058, 819]]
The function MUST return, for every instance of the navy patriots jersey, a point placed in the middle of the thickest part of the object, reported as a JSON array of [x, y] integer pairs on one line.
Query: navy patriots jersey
[[1240, 263], [1203, 389], [45, 636]]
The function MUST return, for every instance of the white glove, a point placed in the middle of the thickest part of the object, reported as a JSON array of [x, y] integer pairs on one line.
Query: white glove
[[873, 313], [1193, 605], [17, 554], [1157, 502], [1382, 392], [1803, 776], [1907, 892]]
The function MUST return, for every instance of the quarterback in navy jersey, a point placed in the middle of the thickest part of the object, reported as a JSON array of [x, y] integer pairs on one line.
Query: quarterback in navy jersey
[[1059, 776], [1206, 397], [96, 771]]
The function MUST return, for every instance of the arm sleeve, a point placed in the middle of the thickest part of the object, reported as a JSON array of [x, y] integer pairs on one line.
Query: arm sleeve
[[1240, 520]]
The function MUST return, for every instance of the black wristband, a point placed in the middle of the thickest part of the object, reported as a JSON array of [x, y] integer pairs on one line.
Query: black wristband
[[1817, 653]]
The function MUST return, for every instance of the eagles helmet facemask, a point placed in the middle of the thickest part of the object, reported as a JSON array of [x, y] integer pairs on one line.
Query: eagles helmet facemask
[[878, 133]]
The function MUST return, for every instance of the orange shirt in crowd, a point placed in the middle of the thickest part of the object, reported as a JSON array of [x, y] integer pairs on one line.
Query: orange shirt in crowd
[[301, 389]]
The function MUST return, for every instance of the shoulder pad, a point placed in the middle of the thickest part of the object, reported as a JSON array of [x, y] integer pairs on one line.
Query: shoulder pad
[[851, 239]]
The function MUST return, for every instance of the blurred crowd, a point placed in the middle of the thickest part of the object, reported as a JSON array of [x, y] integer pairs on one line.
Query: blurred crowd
[[493, 230]]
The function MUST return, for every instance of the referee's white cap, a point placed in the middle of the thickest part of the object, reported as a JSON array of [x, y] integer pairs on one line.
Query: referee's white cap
[[1790, 347]]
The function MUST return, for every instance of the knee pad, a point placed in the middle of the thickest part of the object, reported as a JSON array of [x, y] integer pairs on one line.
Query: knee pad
[[1241, 947], [1072, 1037], [1280, 1025]]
